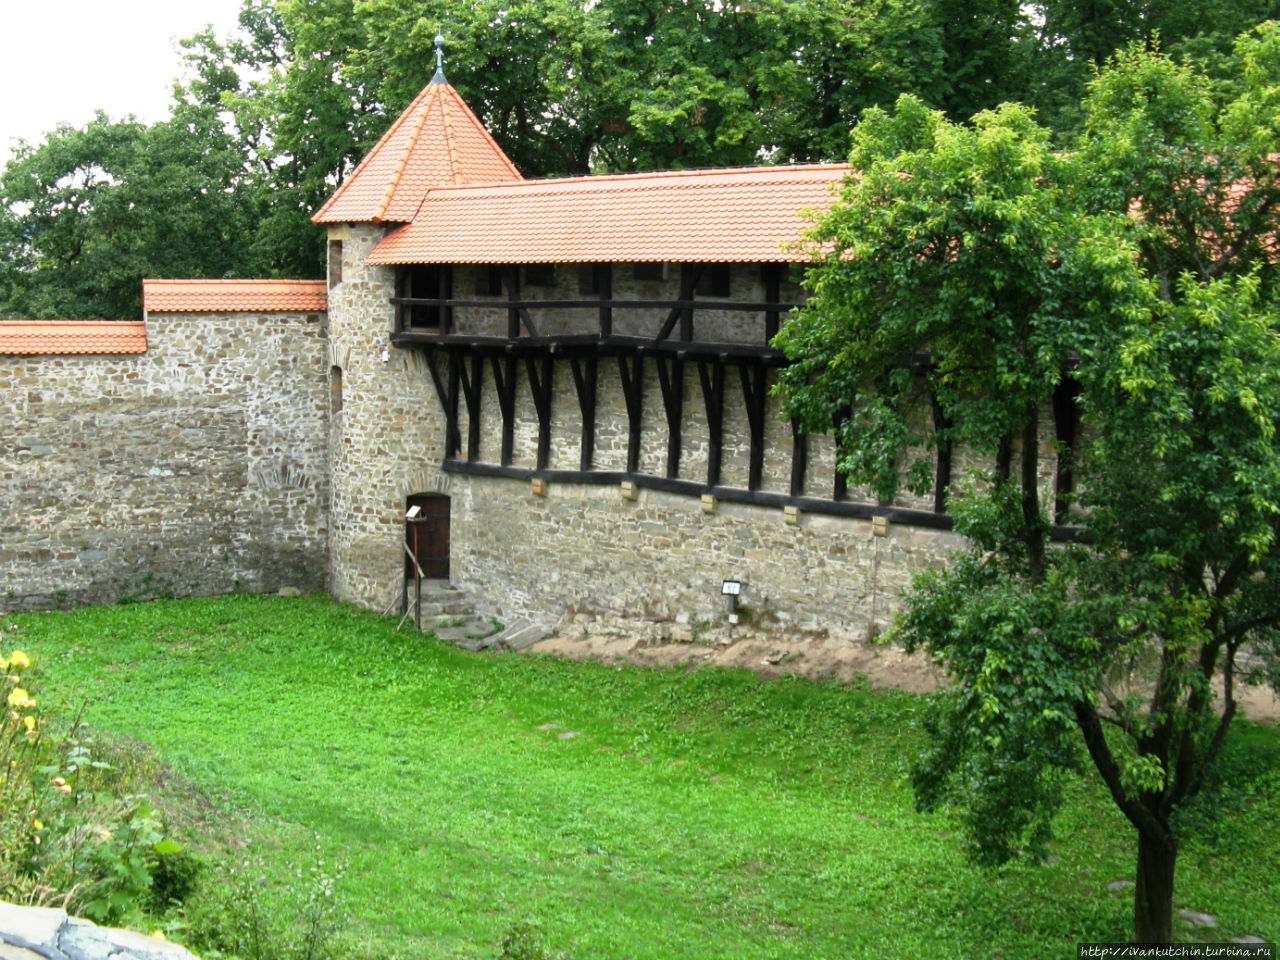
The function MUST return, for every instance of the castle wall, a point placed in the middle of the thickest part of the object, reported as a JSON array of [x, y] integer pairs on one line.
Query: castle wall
[[199, 467], [584, 554]]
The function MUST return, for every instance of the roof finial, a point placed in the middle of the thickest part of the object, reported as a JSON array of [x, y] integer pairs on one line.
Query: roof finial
[[440, 54]]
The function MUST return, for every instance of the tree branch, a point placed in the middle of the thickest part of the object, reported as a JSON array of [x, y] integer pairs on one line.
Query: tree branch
[[1100, 752]]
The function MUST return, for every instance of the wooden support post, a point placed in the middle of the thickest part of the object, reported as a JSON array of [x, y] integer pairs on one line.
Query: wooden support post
[[671, 380], [453, 439], [447, 391], [689, 274], [472, 391], [840, 487], [633, 393], [511, 280], [754, 379], [799, 459], [711, 375], [504, 380], [540, 386], [584, 381], [445, 292]]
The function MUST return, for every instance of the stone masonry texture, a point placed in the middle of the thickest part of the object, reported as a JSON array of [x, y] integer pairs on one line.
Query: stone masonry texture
[[199, 467]]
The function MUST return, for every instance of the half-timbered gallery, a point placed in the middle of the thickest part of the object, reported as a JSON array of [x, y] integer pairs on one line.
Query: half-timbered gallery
[[578, 372]]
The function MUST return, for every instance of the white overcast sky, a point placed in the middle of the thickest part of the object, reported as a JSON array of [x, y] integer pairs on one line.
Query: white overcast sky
[[62, 59]]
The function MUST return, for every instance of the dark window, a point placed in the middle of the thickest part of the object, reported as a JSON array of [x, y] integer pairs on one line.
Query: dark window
[[646, 272], [540, 274], [419, 281], [488, 281], [714, 281], [335, 263]]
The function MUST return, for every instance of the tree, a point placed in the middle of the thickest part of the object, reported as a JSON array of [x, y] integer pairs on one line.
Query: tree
[[87, 214], [1136, 273]]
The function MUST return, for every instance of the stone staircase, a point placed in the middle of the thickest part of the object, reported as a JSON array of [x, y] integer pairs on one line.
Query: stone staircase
[[450, 614]]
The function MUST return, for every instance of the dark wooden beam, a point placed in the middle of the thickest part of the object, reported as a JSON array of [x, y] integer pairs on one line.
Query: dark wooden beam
[[445, 283], [671, 380], [840, 486], [754, 380], [511, 280], [597, 303], [584, 381], [690, 274], [631, 369], [472, 391], [541, 371], [799, 458], [711, 375], [504, 381]]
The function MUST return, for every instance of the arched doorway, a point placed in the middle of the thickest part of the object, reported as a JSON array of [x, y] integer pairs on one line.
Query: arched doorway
[[426, 534]]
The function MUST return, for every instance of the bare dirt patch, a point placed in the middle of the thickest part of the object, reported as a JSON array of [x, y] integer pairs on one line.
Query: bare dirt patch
[[842, 661]]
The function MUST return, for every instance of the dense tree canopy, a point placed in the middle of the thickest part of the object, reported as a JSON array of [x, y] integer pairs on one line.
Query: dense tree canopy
[[90, 212], [305, 87], [1139, 270]]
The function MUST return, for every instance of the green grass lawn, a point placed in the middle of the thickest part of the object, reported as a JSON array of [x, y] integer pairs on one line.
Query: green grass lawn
[[630, 812]]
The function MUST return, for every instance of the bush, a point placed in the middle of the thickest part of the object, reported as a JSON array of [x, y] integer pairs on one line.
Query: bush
[[75, 831]]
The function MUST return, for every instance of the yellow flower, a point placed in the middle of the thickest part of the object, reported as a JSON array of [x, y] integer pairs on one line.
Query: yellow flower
[[29, 722], [104, 834], [19, 660], [18, 698], [159, 935], [38, 825]]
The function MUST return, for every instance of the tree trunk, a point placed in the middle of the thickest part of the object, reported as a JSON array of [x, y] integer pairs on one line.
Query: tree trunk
[[1153, 894]]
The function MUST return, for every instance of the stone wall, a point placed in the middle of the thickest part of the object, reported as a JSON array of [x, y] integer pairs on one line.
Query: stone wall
[[585, 555], [199, 467]]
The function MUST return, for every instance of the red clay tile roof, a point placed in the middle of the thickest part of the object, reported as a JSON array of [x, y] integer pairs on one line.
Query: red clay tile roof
[[228, 296], [436, 141], [727, 215], [45, 337]]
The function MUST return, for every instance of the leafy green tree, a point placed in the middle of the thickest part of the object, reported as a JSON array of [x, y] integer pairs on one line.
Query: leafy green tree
[[571, 88], [1139, 270], [88, 213]]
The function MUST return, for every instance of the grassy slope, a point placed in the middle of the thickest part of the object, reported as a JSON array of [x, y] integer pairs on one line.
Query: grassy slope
[[696, 814]]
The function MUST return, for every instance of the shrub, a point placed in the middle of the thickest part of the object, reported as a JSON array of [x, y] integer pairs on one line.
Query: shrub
[[75, 831]]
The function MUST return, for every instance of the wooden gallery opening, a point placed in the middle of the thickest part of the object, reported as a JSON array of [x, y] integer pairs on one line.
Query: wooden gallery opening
[[426, 535]]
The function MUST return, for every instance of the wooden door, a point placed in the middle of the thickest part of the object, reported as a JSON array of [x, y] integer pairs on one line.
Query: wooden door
[[427, 535]]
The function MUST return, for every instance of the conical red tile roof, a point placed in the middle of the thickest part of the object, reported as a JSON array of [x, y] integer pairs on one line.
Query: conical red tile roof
[[437, 141]]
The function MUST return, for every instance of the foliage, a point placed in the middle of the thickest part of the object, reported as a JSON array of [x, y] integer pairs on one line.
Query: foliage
[[72, 832], [89, 213], [244, 915], [698, 813], [1137, 273]]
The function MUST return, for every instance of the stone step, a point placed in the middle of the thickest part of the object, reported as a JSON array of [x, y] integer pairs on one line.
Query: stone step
[[473, 633], [518, 635]]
